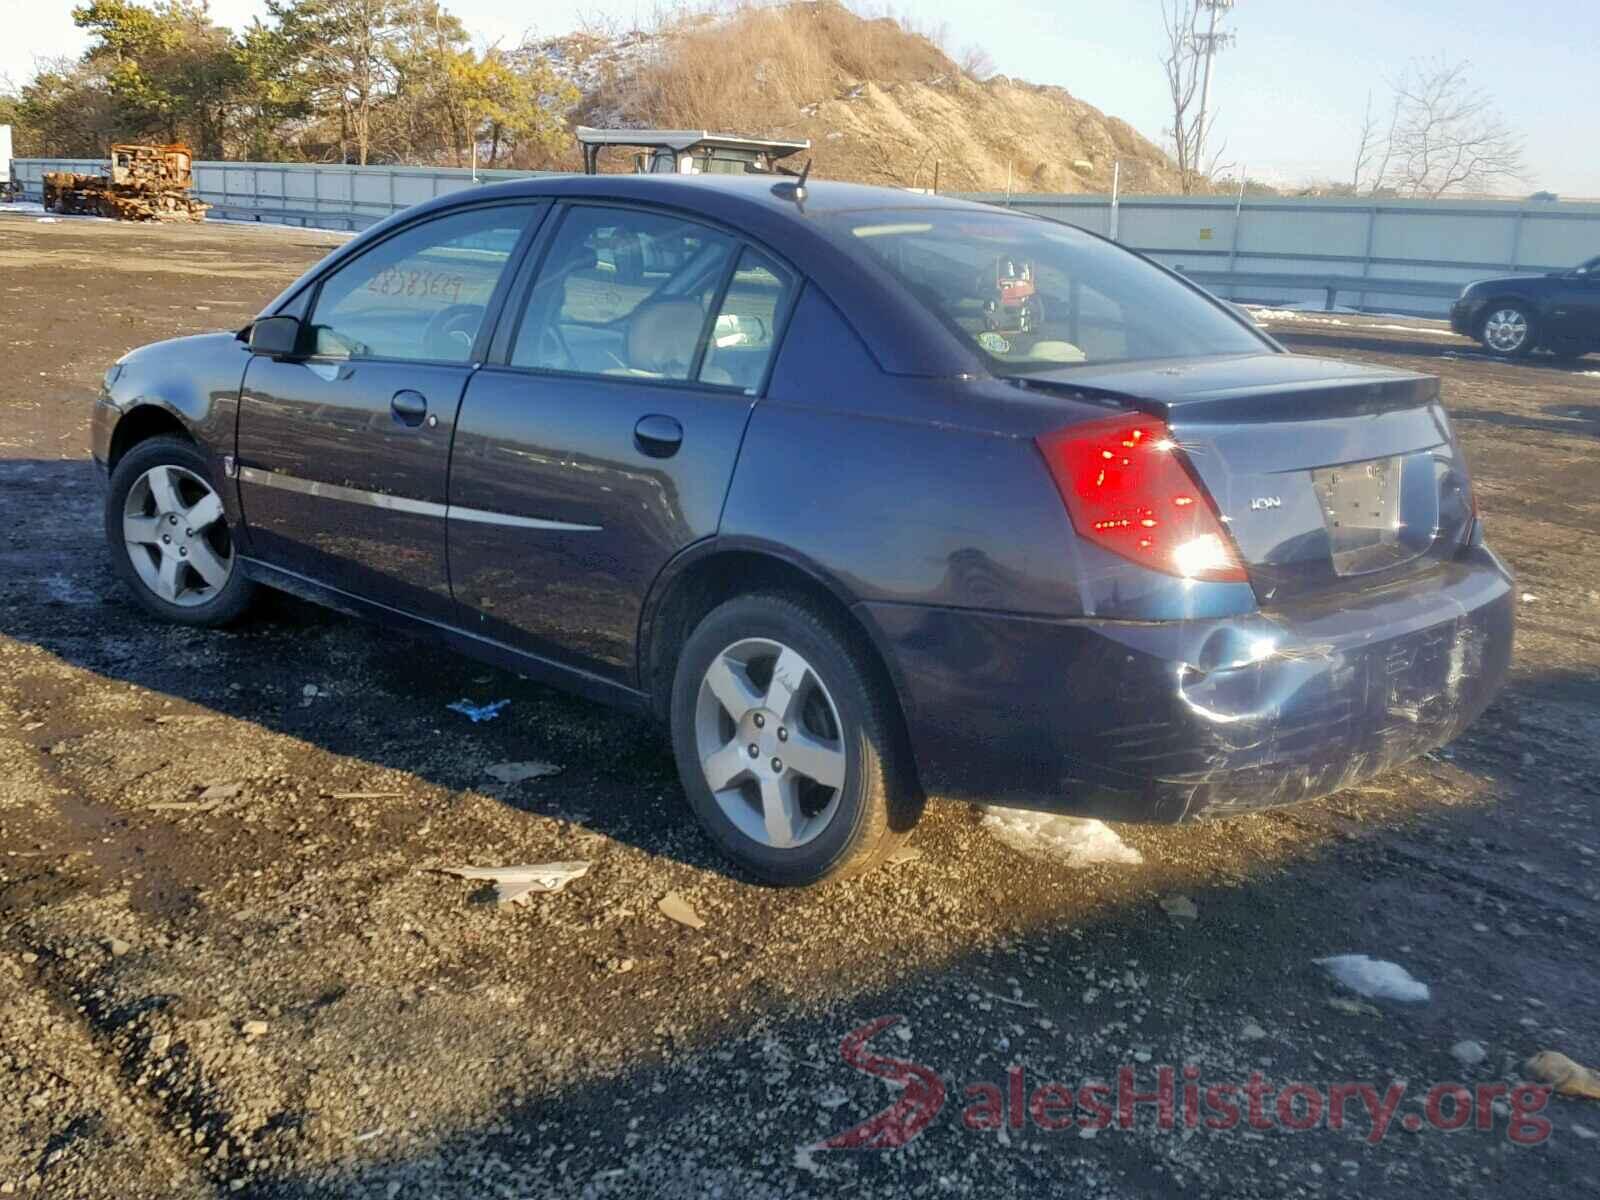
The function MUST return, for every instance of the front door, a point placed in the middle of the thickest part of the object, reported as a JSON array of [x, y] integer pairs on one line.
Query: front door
[[344, 448], [605, 439], [1575, 310]]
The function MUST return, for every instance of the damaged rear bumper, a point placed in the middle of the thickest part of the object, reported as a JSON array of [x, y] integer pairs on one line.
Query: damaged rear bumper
[[1167, 721]]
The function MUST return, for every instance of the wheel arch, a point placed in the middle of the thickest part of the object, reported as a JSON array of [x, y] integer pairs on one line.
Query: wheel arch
[[711, 572], [141, 423]]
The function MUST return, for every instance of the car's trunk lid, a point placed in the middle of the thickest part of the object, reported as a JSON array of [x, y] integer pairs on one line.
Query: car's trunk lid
[[1331, 476]]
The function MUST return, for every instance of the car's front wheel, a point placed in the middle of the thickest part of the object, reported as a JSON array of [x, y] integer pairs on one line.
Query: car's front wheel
[[1508, 331], [786, 742], [169, 537]]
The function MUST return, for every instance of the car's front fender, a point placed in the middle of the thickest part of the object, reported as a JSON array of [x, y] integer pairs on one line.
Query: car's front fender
[[193, 382]]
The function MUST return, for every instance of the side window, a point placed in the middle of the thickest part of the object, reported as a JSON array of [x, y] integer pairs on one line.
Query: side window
[[622, 292], [744, 333], [422, 294]]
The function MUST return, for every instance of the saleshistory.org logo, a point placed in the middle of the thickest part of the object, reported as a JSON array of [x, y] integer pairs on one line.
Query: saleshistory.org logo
[[1174, 1097]]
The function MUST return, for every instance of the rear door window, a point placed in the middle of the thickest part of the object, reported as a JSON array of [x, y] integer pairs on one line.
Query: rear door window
[[748, 319], [624, 292]]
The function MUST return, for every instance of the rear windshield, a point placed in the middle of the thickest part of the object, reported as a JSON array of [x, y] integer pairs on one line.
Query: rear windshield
[[1034, 295]]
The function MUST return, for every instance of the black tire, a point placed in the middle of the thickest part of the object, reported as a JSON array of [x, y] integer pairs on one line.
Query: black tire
[[226, 603], [878, 802], [1521, 349]]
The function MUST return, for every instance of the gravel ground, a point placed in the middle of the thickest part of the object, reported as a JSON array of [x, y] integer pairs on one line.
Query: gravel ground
[[229, 966]]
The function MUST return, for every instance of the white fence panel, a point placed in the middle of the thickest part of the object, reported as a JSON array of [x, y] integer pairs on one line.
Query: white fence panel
[[1434, 246]]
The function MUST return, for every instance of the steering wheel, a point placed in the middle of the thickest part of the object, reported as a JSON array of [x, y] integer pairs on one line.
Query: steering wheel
[[451, 332]]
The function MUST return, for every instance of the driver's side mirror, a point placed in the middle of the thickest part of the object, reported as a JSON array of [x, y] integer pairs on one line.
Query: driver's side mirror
[[277, 336]]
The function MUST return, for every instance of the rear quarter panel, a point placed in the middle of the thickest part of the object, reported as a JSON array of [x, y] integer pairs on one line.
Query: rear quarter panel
[[928, 491], [894, 488]]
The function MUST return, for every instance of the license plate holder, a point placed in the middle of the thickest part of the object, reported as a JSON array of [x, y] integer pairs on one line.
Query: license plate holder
[[1361, 507]]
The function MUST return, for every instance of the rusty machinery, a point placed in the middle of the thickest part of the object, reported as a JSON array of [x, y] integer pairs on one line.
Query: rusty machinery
[[144, 183]]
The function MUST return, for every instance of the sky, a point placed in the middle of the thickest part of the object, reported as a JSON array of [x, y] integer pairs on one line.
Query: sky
[[1289, 96]]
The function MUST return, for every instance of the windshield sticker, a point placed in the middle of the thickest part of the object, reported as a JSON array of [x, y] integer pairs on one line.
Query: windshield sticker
[[994, 343]]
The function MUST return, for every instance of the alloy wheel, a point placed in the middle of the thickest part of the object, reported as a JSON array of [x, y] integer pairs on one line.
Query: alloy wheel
[[177, 539], [1505, 330], [770, 743]]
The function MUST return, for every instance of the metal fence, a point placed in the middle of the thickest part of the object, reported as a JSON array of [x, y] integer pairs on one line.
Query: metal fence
[[324, 197], [1421, 251], [1394, 256]]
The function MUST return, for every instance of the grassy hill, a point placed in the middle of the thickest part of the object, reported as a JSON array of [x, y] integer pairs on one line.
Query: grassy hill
[[881, 102]]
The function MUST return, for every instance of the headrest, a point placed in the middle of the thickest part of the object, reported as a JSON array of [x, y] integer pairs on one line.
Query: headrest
[[663, 336]]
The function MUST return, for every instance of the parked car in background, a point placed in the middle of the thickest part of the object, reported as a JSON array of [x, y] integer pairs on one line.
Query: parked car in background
[[1558, 312], [755, 458]]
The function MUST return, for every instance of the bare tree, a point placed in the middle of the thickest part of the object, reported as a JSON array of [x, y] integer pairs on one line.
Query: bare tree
[[1187, 65], [976, 64], [1375, 149], [1444, 136]]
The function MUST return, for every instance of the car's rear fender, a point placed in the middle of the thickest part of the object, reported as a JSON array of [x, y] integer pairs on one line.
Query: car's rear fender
[[930, 491]]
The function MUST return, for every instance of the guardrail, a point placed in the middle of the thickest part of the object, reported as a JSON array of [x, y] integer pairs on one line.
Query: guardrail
[[1239, 285]]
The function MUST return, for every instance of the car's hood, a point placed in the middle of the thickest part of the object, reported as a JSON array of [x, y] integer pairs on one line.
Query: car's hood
[[1505, 282], [188, 344]]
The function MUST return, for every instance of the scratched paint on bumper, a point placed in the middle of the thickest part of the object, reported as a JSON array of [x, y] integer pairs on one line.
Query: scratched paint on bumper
[[1171, 721]]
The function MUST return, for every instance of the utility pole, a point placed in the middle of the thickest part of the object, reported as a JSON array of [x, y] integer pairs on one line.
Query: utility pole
[[1209, 43]]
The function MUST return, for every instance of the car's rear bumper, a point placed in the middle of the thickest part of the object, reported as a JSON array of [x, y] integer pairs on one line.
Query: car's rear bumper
[[1165, 721]]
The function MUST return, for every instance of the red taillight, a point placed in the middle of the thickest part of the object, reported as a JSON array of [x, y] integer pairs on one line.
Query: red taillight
[[1127, 488]]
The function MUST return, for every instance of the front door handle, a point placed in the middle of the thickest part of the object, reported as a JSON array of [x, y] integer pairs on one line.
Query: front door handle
[[409, 408], [658, 436]]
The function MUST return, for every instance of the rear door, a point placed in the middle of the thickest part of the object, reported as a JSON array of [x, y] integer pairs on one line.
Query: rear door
[[602, 439], [343, 448]]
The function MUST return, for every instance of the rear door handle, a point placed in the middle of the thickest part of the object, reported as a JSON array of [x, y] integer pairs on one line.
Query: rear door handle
[[658, 436], [409, 408]]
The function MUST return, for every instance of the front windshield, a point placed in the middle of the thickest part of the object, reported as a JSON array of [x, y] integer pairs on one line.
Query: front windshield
[[1034, 295]]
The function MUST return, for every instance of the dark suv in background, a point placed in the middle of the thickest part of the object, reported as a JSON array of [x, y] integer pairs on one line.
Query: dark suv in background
[[1559, 312]]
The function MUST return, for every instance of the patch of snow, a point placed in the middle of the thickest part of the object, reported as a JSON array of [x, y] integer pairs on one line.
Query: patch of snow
[[588, 62], [62, 590], [1295, 316], [1414, 329], [1075, 841], [1375, 977]]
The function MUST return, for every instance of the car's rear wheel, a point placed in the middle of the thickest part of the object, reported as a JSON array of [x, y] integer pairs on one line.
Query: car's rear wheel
[[786, 744], [169, 536], [1508, 331]]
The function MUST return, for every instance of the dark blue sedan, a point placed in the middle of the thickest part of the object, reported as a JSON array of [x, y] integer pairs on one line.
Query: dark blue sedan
[[868, 495]]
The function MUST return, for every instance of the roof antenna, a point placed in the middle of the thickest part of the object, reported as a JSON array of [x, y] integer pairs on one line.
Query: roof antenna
[[795, 191]]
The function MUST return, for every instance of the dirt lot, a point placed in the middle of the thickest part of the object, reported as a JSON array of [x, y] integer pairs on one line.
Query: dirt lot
[[267, 991]]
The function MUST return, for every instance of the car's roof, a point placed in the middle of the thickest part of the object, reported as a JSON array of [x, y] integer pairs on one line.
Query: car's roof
[[711, 193], [904, 337]]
